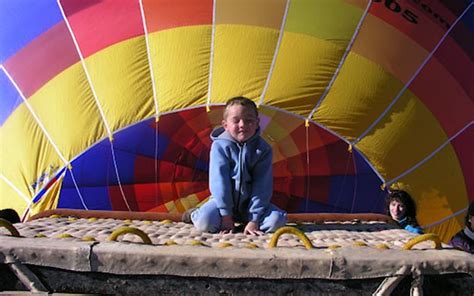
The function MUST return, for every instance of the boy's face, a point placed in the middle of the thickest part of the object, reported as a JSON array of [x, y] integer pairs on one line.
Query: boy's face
[[241, 122]]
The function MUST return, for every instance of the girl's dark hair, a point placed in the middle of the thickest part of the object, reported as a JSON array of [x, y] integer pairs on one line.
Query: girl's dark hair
[[410, 206], [10, 215]]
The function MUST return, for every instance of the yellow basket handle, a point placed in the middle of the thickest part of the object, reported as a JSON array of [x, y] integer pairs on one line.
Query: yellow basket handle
[[9, 226], [421, 238], [124, 230], [288, 229]]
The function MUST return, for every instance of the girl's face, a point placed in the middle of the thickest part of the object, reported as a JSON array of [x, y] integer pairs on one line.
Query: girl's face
[[397, 210]]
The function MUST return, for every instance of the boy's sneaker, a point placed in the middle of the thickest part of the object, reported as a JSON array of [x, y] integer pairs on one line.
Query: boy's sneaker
[[186, 217]]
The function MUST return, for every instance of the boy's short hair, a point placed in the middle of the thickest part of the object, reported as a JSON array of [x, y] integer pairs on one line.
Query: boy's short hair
[[243, 101]]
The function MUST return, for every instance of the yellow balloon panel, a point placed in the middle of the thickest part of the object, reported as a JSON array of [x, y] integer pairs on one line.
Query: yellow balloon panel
[[448, 228], [316, 35], [439, 191], [67, 109], [9, 198], [358, 96], [403, 138], [242, 59], [21, 136], [181, 57], [303, 68], [120, 76]]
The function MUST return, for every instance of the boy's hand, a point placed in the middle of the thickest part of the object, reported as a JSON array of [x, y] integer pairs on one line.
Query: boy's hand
[[227, 224], [252, 228]]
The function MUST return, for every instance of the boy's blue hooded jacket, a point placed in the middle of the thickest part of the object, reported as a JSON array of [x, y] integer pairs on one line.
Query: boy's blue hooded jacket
[[240, 175]]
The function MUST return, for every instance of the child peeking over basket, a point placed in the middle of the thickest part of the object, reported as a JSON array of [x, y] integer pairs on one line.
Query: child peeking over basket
[[402, 209], [464, 239], [240, 176]]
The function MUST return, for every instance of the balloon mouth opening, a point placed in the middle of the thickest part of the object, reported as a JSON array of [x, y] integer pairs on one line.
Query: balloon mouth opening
[[162, 166]]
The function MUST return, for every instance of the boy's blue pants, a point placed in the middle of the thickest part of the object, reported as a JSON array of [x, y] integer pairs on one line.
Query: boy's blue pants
[[207, 218]]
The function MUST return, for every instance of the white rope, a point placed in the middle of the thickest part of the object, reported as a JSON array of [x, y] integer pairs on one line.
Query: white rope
[[350, 157], [356, 182], [354, 188], [83, 63], [118, 176], [77, 189], [80, 154], [109, 132], [25, 212], [150, 64], [308, 178], [445, 218], [374, 169], [40, 124], [341, 62], [211, 62], [430, 156], [37, 119], [275, 54], [155, 99], [18, 191], [157, 145], [405, 87]]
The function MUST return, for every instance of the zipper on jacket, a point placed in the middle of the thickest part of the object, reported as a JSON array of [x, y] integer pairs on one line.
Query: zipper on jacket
[[241, 149]]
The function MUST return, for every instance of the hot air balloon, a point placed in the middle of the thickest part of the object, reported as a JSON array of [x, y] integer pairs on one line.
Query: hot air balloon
[[108, 105]]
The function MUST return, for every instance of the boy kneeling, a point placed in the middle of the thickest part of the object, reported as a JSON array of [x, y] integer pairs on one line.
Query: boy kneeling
[[240, 176]]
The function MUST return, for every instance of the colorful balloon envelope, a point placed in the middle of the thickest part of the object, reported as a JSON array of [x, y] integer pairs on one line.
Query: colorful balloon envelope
[[108, 105]]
